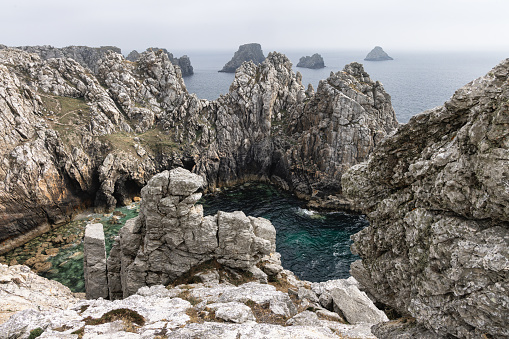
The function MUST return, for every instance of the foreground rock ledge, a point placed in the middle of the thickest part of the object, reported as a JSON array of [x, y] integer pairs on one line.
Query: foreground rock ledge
[[436, 196]]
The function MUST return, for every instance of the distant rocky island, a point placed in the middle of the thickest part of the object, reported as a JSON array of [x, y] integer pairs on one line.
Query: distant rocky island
[[248, 52], [314, 62], [377, 54], [183, 62]]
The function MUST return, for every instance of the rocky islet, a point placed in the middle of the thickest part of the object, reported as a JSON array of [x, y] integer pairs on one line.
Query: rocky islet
[[314, 62]]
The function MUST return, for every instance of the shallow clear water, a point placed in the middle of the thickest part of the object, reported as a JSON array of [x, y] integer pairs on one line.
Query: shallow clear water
[[315, 246]]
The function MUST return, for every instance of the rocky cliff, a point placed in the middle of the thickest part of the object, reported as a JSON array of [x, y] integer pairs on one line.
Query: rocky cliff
[[87, 57], [436, 196], [247, 52], [183, 62], [71, 139], [377, 54], [314, 62]]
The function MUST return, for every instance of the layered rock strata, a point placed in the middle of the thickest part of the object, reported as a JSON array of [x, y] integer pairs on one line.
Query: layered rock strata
[[436, 196], [314, 62], [377, 54], [71, 139], [248, 52]]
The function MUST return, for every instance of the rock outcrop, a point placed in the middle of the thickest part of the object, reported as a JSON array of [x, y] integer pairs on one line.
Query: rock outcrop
[[377, 54], [71, 139], [248, 52], [314, 62], [171, 235], [436, 196], [183, 62]]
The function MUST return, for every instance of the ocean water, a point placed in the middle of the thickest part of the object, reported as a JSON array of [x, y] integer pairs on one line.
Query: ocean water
[[415, 81], [315, 246]]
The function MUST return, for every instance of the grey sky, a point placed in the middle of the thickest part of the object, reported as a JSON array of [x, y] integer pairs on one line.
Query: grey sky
[[277, 24]]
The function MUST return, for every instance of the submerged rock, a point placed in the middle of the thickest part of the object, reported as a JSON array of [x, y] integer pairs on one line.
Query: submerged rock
[[377, 54], [248, 52], [435, 193], [315, 61]]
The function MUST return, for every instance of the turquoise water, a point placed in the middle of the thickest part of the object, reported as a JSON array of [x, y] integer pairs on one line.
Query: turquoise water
[[315, 246]]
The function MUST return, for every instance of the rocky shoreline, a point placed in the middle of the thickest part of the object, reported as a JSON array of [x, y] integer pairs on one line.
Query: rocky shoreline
[[73, 140]]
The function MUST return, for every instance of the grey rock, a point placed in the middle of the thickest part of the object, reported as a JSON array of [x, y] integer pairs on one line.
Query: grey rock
[[233, 311], [94, 262], [314, 62], [248, 52], [436, 247], [305, 318], [356, 306], [171, 235], [377, 54]]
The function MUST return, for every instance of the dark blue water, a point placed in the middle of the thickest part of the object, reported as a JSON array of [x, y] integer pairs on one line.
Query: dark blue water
[[415, 81], [315, 246]]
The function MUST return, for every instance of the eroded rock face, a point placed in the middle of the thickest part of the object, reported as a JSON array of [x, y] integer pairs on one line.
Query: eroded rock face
[[435, 194], [183, 62], [171, 235]]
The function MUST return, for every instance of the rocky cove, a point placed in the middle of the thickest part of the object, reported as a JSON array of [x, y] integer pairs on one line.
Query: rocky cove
[[73, 139]]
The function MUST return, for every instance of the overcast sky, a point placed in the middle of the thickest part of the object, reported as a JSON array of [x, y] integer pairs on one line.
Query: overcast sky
[[478, 25]]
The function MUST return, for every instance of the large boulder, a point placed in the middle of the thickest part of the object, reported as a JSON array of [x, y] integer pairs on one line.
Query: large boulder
[[94, 262], [436, 196]]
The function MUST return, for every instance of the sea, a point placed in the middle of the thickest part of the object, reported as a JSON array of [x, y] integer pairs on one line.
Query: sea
[[416, 81]]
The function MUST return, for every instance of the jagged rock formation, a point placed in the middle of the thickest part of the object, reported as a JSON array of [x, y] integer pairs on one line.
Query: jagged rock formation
[[436, 196], [183, 62], [314, 62], [22, 289], [171, 235], [70, 139], [248, 52], [87, 57], [377, 54]]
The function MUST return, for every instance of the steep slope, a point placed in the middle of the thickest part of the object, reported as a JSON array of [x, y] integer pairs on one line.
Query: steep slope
[[436, 196]]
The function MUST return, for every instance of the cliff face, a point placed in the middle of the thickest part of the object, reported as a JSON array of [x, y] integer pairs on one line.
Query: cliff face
[[72, 139], [436, 196], [247, 52]]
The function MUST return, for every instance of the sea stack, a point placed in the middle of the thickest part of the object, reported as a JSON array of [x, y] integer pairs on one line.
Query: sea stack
[[314, 62], [248, 52], [377, 54]]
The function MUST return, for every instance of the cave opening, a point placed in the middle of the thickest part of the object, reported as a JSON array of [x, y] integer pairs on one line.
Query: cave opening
[[188, 163], [125, 191]]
